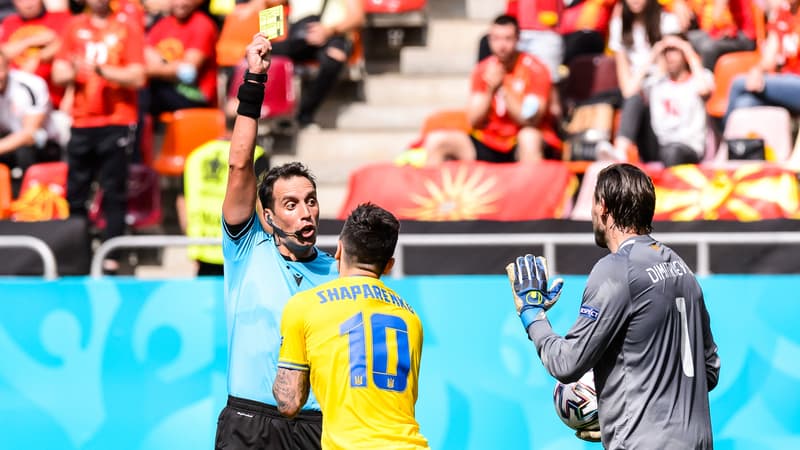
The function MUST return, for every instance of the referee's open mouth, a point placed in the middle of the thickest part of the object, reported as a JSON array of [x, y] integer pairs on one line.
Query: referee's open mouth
[[307, 233]]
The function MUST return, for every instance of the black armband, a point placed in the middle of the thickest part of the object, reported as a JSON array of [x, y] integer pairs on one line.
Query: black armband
[[251, 96], [257, 77]]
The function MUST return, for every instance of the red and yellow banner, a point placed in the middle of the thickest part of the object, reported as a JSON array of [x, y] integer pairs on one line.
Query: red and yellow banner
[[747, 193], [462, 190]]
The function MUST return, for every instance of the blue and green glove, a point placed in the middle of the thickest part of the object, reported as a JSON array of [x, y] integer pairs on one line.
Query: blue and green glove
[[528, 277]]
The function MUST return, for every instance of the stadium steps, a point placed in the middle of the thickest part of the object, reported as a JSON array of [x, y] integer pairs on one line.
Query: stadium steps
[[452, 48]]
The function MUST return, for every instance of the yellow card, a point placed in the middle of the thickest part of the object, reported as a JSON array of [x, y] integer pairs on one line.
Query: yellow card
[[270, 21]]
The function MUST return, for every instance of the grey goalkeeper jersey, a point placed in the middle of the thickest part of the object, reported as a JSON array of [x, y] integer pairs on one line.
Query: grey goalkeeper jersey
[[644, 329]]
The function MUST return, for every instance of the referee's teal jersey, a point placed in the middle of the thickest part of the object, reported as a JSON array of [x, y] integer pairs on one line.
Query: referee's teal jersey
[[258, 283], [644, 329]]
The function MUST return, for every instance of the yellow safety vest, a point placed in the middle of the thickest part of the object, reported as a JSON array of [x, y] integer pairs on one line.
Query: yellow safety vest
[[205, 179]]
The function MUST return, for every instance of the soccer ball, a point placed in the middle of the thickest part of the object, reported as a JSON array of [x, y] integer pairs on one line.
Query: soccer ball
[[576, 403]]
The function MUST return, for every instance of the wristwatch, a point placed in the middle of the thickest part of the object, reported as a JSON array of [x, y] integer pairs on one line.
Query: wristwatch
[[257, 77]]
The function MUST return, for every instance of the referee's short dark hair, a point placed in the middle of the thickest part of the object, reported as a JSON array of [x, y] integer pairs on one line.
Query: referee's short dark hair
[[267, 180], [505, 19], [628, 195]]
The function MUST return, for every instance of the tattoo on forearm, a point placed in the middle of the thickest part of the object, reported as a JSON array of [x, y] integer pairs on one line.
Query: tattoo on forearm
[[290, 389]]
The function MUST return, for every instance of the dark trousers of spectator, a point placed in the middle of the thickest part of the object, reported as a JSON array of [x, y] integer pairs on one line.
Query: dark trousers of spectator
[[634, 124], [100, 153], [298, 50], [711, 49], [676, 153]]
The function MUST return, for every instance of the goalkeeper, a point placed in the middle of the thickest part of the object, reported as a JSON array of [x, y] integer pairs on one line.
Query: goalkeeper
[[642, 326]]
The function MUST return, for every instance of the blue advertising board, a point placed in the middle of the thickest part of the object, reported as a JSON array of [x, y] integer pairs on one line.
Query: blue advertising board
[[130, 364]]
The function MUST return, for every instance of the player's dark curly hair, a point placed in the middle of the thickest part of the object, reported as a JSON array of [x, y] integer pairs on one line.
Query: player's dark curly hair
[[267, 180], [369, 236], [628, 196]]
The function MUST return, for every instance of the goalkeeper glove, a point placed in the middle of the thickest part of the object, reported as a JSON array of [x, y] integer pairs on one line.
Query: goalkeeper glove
[[528, 277]]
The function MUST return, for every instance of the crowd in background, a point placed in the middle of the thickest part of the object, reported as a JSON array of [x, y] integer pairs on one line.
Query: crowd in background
[[81, 81]]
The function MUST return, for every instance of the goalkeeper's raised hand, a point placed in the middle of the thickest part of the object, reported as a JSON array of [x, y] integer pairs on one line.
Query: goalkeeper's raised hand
[[528, 277]]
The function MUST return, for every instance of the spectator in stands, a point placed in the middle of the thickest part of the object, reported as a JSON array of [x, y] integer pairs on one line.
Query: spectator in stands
[[180, 60], [102, 57], [725, 26], [27, 135], [635, 27], [556, 31], [677, 103], [538, 35], [319, 31], [30, 39], [507, 106], [775, 80]]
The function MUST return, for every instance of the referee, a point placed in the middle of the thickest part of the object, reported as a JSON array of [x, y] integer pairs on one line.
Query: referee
[[642, 326]]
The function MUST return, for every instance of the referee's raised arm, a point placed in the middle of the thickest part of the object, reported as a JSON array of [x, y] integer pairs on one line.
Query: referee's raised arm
[[240, 195]]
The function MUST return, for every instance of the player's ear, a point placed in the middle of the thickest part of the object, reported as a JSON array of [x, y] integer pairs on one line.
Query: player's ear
[[388, 269], [338, 254]]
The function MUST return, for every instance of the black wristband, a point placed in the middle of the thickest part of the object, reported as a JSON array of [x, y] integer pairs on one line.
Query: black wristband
[[251, 96], [257, 77]]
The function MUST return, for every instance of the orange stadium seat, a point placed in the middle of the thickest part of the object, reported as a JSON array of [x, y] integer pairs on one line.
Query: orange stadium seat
[[727, 68], [5, 191], [237, 32], [187, 129], [446, 120]]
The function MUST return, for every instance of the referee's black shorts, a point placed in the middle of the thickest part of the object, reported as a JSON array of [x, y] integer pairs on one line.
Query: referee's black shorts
[[250, 425]]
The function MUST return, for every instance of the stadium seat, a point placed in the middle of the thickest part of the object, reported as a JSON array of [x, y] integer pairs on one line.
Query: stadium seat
[[237, 32], [52, 174], [144, 200], [727, 68], [5, 191], [446, 120], [395, 13], [187, 129], [770, 123], [589, 76], [280, 97]]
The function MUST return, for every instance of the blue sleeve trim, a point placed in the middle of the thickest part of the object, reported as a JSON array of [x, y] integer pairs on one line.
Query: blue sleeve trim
[[293, 366]]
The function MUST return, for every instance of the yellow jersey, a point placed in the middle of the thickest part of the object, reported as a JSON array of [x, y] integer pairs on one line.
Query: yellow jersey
[[362, 344]]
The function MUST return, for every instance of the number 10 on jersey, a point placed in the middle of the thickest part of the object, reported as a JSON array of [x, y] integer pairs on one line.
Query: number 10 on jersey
[[353, 328]]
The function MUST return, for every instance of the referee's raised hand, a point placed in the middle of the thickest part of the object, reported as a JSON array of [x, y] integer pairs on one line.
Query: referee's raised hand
[[258, 54]]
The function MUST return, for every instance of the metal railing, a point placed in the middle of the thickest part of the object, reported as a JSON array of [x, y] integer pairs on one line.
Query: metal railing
[[549, 241], [39, 246]]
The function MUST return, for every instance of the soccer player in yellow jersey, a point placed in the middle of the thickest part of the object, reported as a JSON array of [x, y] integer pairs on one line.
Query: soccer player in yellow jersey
[[358, 342]]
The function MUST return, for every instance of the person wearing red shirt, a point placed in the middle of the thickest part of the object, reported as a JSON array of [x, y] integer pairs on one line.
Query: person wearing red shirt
[[30, 40], [775, 81], [181, 61], [102, 58], [507, 106], [725, 26]]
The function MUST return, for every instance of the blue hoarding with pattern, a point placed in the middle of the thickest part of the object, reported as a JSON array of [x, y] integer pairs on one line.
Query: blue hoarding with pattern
[[131, 364]]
